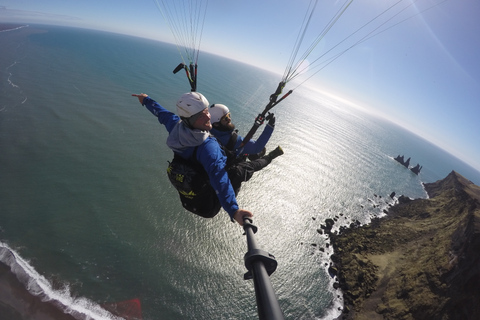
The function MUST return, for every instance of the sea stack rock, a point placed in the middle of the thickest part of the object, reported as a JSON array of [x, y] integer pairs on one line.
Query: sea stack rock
[[400, 159], [416, 169]]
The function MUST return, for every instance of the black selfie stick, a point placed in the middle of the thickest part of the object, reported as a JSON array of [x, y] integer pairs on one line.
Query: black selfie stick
[[260, 266]]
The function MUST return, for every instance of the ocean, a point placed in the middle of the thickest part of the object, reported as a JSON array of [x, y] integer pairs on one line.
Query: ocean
[[88, 217]]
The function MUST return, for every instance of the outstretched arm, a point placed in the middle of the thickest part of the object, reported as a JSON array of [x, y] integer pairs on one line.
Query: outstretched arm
[[256, 146], [165, 117], [140, 97], [210, 155]]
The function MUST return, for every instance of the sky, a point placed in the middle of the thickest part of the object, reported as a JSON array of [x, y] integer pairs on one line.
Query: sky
[[422, 73]]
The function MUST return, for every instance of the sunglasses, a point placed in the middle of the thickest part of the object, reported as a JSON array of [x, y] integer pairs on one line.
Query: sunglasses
[[226, 116]]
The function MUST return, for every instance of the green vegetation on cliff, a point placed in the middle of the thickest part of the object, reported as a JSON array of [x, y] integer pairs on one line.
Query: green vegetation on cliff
[[422, 261]]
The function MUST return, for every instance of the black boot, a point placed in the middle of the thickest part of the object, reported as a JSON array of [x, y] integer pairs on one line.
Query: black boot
[[278, 151]]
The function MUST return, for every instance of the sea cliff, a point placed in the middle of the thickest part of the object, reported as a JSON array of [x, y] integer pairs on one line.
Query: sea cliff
[[421, 261]]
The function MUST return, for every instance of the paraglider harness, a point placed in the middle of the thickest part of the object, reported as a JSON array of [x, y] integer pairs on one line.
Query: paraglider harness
[[193, 184]]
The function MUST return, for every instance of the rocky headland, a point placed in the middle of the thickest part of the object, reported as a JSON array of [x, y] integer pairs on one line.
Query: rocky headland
[[421, 261]]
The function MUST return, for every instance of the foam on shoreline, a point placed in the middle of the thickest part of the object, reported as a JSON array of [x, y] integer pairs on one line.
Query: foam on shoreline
[[27, 292]]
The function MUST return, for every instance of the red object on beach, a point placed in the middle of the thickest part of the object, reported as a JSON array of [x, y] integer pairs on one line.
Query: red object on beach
[[129, 309]]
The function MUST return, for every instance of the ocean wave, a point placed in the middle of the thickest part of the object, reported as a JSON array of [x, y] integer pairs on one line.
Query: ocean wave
[[13, 94], [78, 307]]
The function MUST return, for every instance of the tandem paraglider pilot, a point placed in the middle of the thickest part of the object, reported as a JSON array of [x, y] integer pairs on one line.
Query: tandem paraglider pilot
[[204, 185], [240, 169]]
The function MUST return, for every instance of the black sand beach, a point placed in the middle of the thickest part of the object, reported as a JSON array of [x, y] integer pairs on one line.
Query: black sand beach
[[16, 303]]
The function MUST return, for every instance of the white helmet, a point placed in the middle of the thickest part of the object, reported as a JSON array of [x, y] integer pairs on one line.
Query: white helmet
[[217, 111], [191, 103]]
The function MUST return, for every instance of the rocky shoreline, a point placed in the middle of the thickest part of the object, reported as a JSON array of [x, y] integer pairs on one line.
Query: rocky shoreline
[[421, 261]]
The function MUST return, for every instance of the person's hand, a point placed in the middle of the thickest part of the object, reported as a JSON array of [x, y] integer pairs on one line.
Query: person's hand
[[140, 97], [271, 119], [240, 213]]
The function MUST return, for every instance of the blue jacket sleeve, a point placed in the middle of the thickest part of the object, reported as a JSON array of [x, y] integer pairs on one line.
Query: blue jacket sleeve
[[165, 117], [256, 146], [212, 158]]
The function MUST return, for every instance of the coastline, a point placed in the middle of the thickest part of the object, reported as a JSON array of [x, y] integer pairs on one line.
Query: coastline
[[17, 303], [10, 27], [421, 261]]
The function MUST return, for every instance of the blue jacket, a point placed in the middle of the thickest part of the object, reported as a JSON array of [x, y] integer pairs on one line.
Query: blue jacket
[[183, 141], [252, 146]]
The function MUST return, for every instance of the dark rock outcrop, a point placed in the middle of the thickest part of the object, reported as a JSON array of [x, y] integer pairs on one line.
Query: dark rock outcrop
[[399, 159], [416, 169], [402, 161], [422, 261], [406, 163]]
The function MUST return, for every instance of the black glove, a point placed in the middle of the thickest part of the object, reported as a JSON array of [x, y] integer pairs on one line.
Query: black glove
[[271, 119]]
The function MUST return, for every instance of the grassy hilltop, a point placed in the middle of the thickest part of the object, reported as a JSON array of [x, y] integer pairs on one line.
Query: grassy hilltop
[[422, 261]]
